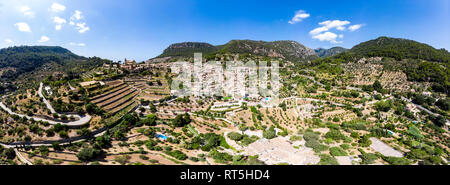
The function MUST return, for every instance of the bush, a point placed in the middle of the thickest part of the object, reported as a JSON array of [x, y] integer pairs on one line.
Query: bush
[[88, 154], [63, 134], [327, 160], [181, 120], [235, 136], [56, 146], [143, 157], [345, 146], [177, 154], [414, 131], [195, 159], [84, 132], [269, 133], [337, 151], [93, 109], [122, 159], [312, 141], [365, 141], [43, 150], [444, 104], [246, 140], [220, 157], [354, 135], [336, 119], [368, 158], [334, 134], [396, 160], [103, 141], [150, 120], [310, 136], [383, 106], [9, 153]]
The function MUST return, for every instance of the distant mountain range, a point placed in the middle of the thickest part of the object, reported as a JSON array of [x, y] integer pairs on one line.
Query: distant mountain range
[[289, 50], [321, 52]]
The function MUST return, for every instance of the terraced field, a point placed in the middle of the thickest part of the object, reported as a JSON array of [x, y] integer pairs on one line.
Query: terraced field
[[112, 94], [111, 89], [116, 96]]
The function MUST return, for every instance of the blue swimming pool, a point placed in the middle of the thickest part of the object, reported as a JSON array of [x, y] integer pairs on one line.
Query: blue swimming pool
[[161, 136]]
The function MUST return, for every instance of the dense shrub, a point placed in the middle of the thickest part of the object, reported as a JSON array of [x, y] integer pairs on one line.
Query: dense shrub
[[88, 154], [396, 160], [334, 134], [181, 120], [235, 136], [414, 131], [177, 154], [269, 133], [337, 151], [327, 160], [368, 158]]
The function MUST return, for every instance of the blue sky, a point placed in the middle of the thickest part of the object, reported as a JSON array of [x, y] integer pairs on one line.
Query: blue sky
[[142, 29]]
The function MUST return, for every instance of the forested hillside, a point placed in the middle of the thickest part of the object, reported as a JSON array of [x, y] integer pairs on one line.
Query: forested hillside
[[15, 61], [400, 49]]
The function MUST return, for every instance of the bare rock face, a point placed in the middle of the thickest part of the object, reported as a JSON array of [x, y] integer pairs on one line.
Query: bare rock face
[[289, 50], [293, 49]]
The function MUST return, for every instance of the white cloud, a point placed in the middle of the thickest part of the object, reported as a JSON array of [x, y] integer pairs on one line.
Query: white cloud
[[57, 7], [335, 24], [341, 36], [327, 36], [81, 27], [299, 16], [26, 11], [58, 20], [9, 41], [327, 25], [77, 15], [44, 39], [355, 27], [22, 26], [318, 30], [77, 44]]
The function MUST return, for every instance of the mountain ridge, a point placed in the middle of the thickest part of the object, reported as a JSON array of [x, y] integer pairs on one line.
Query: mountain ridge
[[286, 49]]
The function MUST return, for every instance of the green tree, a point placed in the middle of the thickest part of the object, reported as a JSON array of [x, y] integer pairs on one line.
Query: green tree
[[88, 154], [377, 86], [181, 120], [269, 133]]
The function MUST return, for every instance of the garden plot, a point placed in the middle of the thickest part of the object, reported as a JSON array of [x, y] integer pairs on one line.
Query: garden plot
[[280, 150], [383, 148]]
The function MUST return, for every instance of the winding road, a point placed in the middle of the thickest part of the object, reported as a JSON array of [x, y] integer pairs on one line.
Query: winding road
[[82, 120]]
